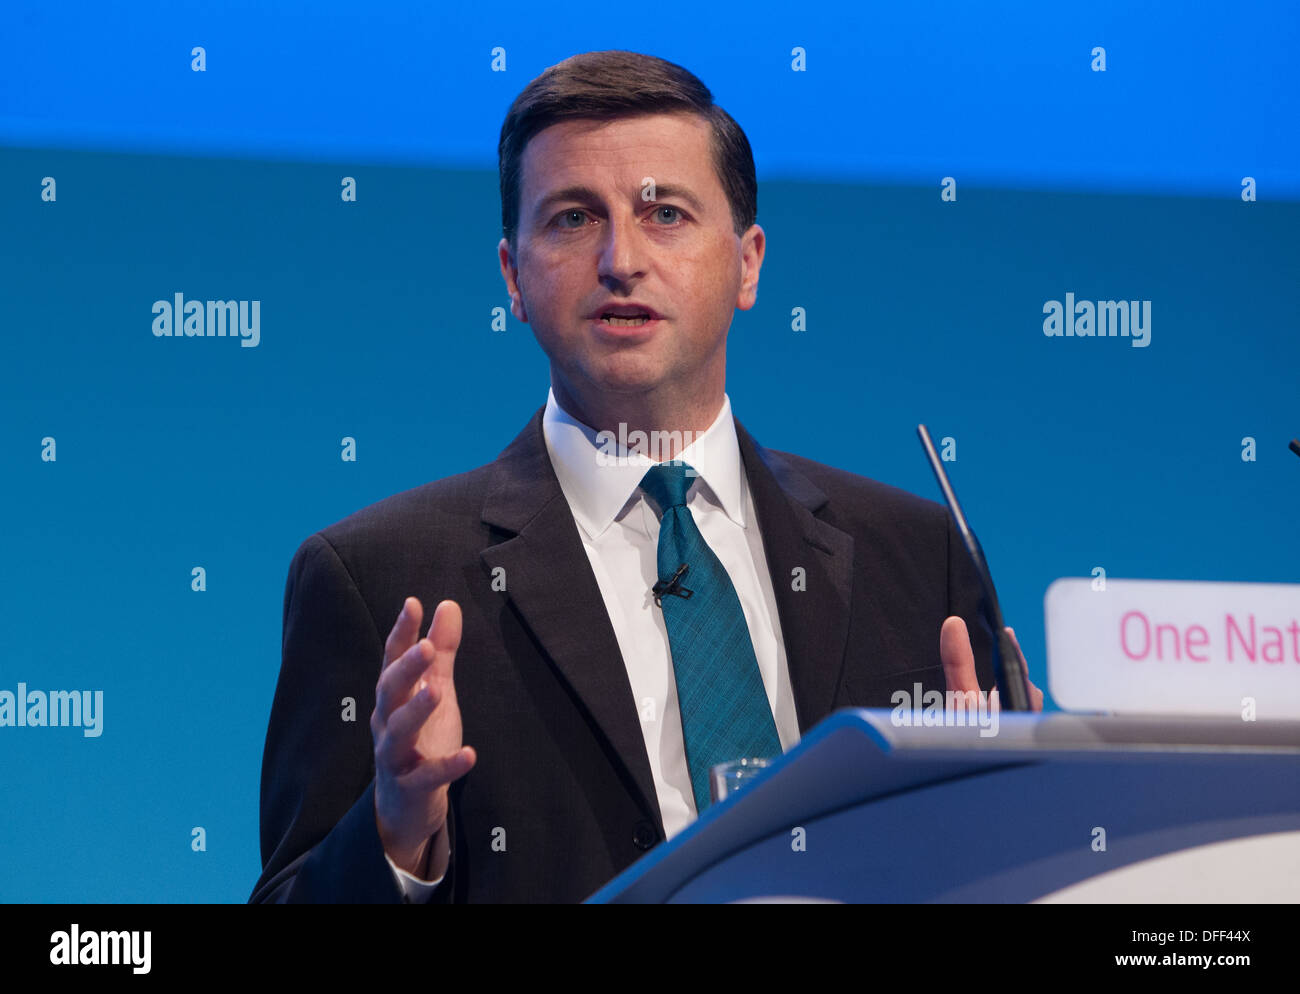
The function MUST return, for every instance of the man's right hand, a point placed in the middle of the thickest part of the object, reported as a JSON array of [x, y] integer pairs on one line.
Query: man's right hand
[[417, 734]]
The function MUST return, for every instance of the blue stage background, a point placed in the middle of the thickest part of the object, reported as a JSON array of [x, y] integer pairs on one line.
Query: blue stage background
[[1072, 453]]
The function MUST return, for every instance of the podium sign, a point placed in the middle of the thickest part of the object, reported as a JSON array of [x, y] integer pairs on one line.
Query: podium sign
[[1174, 647]]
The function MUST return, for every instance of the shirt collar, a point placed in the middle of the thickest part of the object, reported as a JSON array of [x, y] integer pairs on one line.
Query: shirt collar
[[600, 474]]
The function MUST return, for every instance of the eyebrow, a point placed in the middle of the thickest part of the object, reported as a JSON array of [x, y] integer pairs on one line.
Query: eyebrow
[[585, 194]]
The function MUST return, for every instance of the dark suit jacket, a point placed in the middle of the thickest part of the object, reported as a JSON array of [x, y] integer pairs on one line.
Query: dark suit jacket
[[563, 780]]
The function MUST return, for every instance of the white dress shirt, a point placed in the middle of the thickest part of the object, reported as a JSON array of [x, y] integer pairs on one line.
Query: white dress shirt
[[619, 529]]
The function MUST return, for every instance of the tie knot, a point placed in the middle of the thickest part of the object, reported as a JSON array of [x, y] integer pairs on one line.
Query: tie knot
[[667, 483]]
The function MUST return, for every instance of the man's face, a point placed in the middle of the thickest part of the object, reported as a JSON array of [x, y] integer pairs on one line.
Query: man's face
[[588, 239]]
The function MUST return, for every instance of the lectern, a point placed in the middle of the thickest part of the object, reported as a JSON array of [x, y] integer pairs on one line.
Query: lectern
[[1055, 807]]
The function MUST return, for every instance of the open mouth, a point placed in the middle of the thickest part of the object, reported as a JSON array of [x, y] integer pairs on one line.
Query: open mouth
[[625, 315]]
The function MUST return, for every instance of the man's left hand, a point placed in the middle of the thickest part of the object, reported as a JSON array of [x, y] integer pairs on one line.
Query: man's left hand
[[959, 662]]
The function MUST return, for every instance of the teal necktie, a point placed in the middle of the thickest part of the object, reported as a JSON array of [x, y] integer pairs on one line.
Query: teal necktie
[[724, 707]]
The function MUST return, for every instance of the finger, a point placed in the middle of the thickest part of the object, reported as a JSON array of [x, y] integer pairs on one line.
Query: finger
[[404, 630], [957, 656], [444, 633], [397, 683], [1035, 695], [402, 731], [1014, 641], [396, 756], [438, 771]]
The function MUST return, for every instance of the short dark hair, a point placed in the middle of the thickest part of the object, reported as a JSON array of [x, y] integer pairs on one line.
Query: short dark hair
[[618, 84]]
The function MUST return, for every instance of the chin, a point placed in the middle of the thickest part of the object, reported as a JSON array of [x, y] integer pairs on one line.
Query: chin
[[627, 373], [628, 386]]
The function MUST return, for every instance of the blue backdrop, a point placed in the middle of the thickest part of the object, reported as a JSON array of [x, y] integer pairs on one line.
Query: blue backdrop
[[171, 454]]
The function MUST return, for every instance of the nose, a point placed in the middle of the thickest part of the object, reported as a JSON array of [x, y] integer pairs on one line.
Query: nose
[[623, 250]]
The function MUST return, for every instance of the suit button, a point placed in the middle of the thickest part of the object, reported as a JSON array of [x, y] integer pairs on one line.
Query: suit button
[[644, 835]]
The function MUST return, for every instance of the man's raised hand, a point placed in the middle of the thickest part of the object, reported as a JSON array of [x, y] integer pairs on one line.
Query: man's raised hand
[[959, 663], [417, 734]]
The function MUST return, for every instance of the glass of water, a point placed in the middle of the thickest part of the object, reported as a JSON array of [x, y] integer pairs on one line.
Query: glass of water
[[727, 778]]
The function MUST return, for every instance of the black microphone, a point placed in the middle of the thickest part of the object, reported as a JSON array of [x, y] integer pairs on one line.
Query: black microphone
[[1295, 446], [672, 586], [1011, 678]]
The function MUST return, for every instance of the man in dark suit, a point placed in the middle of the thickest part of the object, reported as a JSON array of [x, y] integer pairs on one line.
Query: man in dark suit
[[556, 721]]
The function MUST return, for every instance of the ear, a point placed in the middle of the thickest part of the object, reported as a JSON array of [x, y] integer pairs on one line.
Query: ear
[[752, 245], [510, 273]]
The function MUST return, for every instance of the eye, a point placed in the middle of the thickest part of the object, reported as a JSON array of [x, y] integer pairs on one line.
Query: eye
[[677, 215], [570, 214]]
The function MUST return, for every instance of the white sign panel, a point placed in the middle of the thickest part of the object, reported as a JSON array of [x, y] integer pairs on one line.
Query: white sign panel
[[1174, 647]]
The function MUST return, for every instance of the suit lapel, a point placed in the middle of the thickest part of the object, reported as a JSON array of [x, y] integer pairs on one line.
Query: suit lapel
[[815, 619], [550, 583]]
